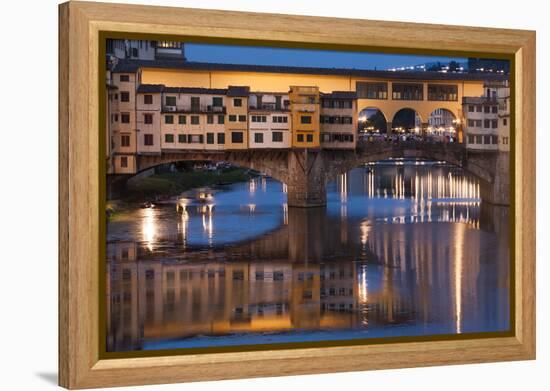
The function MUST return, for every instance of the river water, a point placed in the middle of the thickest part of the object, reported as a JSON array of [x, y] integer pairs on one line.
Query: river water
[[403, 248]]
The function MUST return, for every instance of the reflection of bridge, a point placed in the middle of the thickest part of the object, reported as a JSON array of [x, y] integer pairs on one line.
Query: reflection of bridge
[[306, 171]]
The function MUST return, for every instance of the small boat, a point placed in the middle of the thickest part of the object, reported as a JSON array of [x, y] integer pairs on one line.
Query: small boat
[[147, 205]]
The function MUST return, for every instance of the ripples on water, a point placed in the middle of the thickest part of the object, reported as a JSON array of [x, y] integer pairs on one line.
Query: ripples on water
[[402, 249]]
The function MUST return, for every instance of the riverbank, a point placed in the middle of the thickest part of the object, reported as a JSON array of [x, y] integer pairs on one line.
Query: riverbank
[[165, 185]]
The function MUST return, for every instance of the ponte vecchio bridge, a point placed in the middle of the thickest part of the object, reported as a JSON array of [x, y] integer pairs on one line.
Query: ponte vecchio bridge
[[304, 169]]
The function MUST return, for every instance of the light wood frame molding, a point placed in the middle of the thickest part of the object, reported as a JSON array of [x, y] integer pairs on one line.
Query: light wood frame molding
[[80, 23]]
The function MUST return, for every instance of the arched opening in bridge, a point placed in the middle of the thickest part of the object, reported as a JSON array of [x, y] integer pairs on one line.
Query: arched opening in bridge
[[443, 124], [371, 120], [406, 121]]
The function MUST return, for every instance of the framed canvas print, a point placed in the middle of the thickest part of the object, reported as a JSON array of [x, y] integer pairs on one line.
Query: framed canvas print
[[247, 195]]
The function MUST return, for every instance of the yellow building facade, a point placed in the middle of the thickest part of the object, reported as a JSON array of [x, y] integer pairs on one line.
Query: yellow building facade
[[304, 109]]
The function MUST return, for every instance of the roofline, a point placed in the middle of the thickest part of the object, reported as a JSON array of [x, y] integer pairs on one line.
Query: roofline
[[128, 66]]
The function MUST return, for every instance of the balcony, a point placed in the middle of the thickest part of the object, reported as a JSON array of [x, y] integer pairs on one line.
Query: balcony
[[205, 109], [270, 106]]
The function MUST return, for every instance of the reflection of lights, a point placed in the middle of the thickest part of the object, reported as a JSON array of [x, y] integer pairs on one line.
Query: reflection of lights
[[365, 229], [208, 226], [344, 187], [252, 186], [458, 247], [251, 208], [285, 213], [285, 188], [183, 225], [149, 228]]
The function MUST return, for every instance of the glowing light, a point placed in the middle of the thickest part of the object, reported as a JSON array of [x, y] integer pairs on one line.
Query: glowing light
[[149, 228]]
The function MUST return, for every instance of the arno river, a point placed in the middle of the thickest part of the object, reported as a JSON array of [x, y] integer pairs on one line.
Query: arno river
[[401, 249]]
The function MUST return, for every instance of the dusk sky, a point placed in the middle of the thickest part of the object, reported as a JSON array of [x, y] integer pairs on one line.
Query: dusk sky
[[303, 57]]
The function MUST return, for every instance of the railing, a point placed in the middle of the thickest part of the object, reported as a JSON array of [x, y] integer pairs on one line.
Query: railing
[[268, 106], [194, 109]]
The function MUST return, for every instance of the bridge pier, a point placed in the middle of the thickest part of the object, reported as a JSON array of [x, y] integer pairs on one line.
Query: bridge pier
[[497, 191], [389, 128], [306, 179]]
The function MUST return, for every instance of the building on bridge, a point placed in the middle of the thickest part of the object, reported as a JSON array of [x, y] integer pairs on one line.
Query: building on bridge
[[338, 120], [161, 105], [269, 120], [487, 118]]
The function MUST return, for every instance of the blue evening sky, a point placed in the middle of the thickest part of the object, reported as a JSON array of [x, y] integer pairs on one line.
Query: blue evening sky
[[304, 57]]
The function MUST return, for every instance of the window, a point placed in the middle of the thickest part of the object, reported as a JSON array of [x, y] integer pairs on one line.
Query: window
[[217, 101], [209, 138], [280, 119], [195, 119], [259, 118], [242, 118], [168, 138], [494, 109], [494, 123], [258, 138], [478, 109], [487, 123], [470, 139], [170, 101], [148, 139], [124, 78], [347, 120], [209, 119], [494, 139], [182, 119], [168, 119], [148, 99], [505, 140], [124, 161], [504, 121], [195, 103], [487, 139], [182, 138], [309, 138], [442, 92], [407, 91], [305, 119], [125, 118], [116, 96], [221, 119], [116, 117], [300, 138], [471, 123], [135, 52], [471, 108], [479, 139], [237, 137], [237, 102], [125, 140], [124, 96], [277, 137], [486, 109], [232, 118], [195, 138], [371, 90], [221, 138], [147, 118]]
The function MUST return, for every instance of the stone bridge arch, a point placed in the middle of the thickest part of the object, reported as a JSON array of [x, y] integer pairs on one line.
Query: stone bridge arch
[[306, 172], [369, 116], [273, 163]]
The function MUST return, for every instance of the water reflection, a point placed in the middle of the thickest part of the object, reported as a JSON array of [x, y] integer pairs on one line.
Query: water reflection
[[399, 250]]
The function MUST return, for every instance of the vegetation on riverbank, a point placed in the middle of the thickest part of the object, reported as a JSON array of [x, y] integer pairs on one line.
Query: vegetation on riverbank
[[167, 184], [141, 189]]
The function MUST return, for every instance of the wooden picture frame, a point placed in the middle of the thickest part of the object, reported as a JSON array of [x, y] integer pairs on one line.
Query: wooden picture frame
[[80, 189]]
